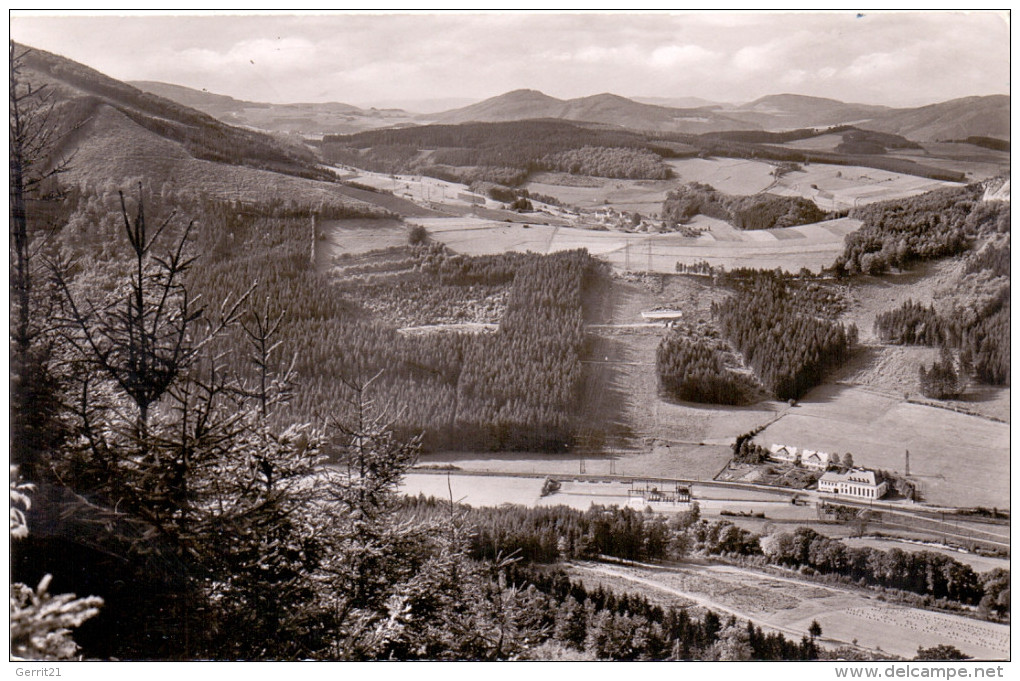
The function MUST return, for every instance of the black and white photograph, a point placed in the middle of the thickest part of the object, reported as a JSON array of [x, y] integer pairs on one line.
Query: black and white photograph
[[562, 337]]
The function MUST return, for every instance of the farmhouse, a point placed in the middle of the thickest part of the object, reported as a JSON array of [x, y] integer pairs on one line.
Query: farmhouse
[[783, 453], [857, 482], [813, 459]]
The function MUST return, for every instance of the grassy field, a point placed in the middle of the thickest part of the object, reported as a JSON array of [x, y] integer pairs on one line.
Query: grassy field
[[356, 237], [789, 606], [811, 246], [481, 228], [977, 162], [832, 187], [958, 459], [474, 490], [642, 196], [729, 175], [835, 187], [690, 462]]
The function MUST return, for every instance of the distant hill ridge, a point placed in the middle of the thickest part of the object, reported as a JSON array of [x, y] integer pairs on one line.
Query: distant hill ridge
[[604, 108], [985, 116], [312, 119]]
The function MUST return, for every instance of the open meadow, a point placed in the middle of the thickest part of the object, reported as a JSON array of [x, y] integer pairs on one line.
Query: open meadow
[[739, 176], [338, 238], [835, 187], [808, 246], [474, 490], [641, 196], [978, 163], [832, 187], [787, 605]]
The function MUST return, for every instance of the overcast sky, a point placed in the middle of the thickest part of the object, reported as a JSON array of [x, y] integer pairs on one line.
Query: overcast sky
[[896, 59]]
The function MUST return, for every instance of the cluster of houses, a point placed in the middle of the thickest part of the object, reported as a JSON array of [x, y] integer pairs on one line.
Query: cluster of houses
[[861, 483], [628, 222], [804, 457]]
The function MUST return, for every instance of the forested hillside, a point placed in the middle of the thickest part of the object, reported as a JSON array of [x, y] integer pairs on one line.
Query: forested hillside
[[79, 94], [975, 320], [515, 389], [783, 331], [934, 225], [502, 152]]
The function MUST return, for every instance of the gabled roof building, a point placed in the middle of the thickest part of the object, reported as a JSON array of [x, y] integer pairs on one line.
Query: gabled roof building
[[813, 459], [783, 453], [860, 483]]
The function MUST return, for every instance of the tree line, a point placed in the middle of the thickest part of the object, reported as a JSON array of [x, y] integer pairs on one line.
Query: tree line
[[546, 535], [638, 164], [600, 624]]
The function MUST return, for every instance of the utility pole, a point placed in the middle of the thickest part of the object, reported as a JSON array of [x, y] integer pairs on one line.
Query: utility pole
[[908, 463]]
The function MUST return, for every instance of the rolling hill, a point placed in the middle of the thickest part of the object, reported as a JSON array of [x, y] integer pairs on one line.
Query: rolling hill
[[308, 119], [608, 109], [787, 111], [119, 134], [956, 119], [986, 116], [681, 102]]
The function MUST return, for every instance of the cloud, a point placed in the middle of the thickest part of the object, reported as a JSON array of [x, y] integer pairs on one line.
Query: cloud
[[279, 54], [669, 56], [879, 65], [794, 77], [752, 58], [887, 58]]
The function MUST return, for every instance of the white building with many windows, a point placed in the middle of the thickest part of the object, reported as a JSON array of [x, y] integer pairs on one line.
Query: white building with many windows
[[860, 483]]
